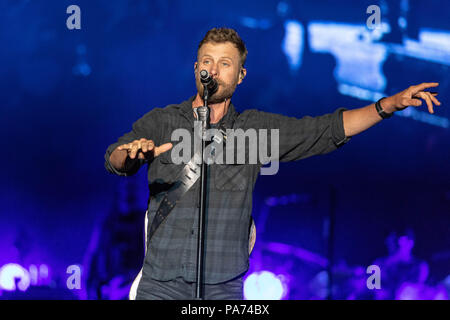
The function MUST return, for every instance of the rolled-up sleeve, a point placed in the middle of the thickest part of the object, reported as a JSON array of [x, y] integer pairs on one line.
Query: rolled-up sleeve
[[337, 128], [304, 137], [145, 127]]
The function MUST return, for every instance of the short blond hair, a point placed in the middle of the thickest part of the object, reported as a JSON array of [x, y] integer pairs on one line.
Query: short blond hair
[[221, 35]]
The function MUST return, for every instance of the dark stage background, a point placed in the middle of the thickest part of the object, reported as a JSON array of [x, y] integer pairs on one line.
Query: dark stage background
[[67, 94]]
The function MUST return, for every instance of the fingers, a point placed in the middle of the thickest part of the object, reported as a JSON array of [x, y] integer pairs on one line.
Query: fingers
[[137, 147], [124, 146], [148, 146], [144, 148], [162, 148], [429, 99], [413, 102], [432, 97], [417, 92], [133, 151], [422, 86]]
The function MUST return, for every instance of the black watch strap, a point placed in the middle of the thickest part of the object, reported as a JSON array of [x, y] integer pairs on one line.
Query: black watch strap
[[380, 110]]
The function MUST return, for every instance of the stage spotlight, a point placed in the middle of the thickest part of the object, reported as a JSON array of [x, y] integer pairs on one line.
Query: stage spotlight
[[12, 273], [264, 285]]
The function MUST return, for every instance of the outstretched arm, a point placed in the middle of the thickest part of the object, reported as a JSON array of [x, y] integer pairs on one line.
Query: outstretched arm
[[358, 120]]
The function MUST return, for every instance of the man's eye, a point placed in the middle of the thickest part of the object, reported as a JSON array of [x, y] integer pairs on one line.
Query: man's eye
[[206, 62], [225, 64]]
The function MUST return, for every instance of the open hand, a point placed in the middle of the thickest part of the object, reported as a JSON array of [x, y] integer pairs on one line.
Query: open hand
[[412, 97], [144, 149]]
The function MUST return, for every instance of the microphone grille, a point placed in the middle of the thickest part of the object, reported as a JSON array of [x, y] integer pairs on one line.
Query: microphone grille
[[204, 74]]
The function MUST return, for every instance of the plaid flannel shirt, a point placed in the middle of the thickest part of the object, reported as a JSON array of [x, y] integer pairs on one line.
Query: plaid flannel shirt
[[172, 251]]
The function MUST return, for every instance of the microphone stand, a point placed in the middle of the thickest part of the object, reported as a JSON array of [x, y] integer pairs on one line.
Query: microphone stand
[[203, 116]]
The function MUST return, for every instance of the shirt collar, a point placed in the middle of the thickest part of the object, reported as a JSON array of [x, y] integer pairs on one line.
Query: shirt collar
[[186, 110]]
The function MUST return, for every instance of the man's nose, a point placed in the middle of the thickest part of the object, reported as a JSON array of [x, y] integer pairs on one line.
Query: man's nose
[[213, 71]]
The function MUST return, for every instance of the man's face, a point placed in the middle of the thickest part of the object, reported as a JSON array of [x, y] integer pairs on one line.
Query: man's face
[[223, 62]]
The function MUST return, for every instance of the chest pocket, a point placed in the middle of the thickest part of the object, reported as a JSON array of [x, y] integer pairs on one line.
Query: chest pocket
[[167, 170], [232, 177]]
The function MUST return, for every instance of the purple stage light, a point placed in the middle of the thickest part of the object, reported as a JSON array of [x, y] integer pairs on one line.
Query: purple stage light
[[14, 277], [264, 285], [420, 291], [12, 274]]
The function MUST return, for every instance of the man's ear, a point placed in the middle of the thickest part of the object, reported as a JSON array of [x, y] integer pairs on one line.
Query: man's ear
[[242, 75], [195, 66]]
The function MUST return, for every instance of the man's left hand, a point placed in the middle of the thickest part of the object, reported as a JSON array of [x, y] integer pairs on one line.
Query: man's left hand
[[412, 97]]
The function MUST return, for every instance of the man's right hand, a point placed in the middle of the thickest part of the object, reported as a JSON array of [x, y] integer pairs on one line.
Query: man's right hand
[[144, 149]]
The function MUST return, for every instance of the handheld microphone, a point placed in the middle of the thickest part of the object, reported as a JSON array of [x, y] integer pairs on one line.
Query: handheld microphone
[[208, 81]]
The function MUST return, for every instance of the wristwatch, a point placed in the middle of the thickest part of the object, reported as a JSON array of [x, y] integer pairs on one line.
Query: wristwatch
[[380, 110]]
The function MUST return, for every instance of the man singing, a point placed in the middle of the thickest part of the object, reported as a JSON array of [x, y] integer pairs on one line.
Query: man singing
[[169, 270]]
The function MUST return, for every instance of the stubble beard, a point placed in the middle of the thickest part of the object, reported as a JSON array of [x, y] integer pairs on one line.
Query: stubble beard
[[224, 91]]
